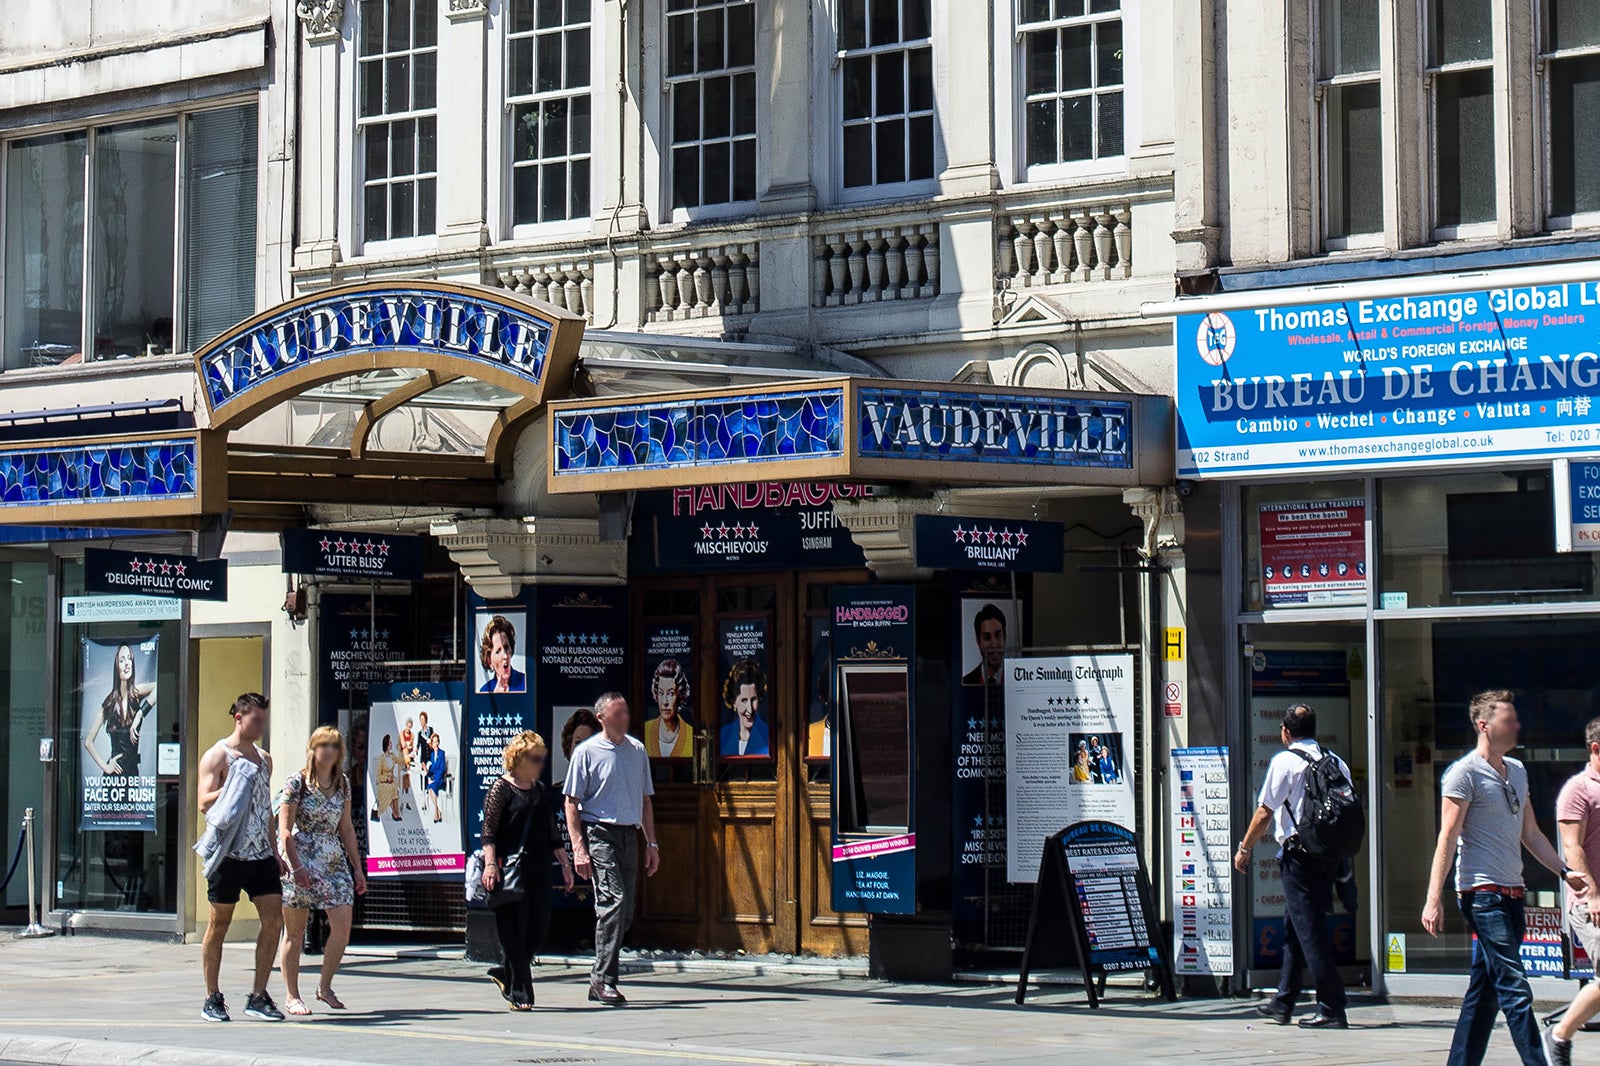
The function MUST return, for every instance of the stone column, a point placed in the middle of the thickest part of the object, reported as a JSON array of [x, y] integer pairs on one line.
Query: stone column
[[319, 187], [1196, 230], [464, 122]]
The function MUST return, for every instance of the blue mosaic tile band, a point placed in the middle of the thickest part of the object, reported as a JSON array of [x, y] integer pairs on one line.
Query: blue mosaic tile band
[[143, 470], [965, 427], [402, 319], [742, 429]]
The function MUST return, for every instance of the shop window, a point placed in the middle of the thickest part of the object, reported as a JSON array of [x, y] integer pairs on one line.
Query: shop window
[[1461, 56], [116, 191], [886, 91], [874, 738], [1305, 546], [711, 84], [120, 789], [1430, 671], [1352, 121], [548, 90], [1474, 539], [397, 117], [1072, 62], [1572, 71]]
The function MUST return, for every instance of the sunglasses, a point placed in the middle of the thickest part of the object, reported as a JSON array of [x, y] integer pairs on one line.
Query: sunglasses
[[1513, 800]]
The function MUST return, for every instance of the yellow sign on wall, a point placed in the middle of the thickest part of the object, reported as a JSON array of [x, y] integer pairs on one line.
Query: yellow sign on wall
[[1395, 953], [1174, 644]]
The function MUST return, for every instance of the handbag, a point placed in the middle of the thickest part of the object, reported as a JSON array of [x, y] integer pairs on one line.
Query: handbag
[[511, 873]]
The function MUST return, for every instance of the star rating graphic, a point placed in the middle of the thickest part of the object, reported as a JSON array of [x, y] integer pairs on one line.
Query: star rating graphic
[[975, 534], [181, 569], [737, 531], [1068, 701], [583, 639]]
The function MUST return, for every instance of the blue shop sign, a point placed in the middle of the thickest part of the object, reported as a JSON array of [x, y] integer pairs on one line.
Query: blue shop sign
[[854, 429], [1367, 384]]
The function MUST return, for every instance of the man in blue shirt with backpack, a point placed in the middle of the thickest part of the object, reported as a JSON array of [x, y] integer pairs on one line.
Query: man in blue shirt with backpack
[[1317, 823]]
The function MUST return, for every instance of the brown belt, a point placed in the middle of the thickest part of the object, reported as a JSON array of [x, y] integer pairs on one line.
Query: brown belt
[[1510, 892]]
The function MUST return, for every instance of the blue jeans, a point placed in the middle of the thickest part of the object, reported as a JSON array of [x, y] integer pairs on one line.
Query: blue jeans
[[1498, 982]]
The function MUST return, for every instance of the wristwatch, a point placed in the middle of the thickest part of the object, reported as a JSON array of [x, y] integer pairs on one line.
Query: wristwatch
[[653, 846]]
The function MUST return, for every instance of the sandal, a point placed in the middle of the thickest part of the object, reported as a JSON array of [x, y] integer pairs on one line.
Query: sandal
[[521, 1005], [326, 995], [297, 1006]]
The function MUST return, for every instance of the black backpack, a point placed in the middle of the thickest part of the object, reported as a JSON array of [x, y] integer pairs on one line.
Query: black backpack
[[1334, 821]]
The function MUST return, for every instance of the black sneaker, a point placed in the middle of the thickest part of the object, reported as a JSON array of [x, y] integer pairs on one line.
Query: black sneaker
[[502, 981], [1557, 1052], [260, 1005], [215, 1008]]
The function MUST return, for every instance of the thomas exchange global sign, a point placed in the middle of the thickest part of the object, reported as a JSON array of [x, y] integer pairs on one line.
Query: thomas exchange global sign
[[1362, 384]]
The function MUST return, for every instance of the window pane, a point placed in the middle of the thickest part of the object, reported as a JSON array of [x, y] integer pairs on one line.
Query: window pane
[[708, 41], [885, 24], [1349, 36], [398, 24], [580, 123], [521, 62], [891, 84], [371, 89], [425, 26], [553, 129], [524, 195], [1355, 160], [920, 78], [1464, 126], [1108, 53], [580, 189], [852, 23], [891, 153], [718, 107], [744, 103], [427, 216], [548, 15], [1461, 31], [1574, 148], [578, 59], [547, 63], [742, 35], [686, 177], [219, 222], [1042, 144], [427, 148], [402, 148], [718, 164], [525, 132], [744, 170], [521, 16], [424, 81], [371, 26], [858, 155], [135, 189], [397, 85], [919, 149], [686, 112], [1040, 61], [1574, 23], [552, 192], [1035, 11], [1076, 72], [42, 271], [680, 45], [858, 87], [402, 210], [377, 213], [916, 19], [1109, 142], [1077, 128]]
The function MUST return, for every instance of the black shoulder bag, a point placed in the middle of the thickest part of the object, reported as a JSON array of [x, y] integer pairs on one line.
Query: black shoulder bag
[[513, 870]]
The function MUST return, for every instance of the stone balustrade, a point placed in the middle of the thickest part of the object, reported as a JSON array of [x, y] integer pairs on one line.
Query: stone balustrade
[[1064, 243], [568, 283], [702, 282], [868, 265]]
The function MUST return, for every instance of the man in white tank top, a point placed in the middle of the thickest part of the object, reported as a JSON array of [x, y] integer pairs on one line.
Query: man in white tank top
[[251, 866]]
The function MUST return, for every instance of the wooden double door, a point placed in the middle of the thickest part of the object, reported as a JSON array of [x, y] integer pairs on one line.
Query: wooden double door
[[743, 820]]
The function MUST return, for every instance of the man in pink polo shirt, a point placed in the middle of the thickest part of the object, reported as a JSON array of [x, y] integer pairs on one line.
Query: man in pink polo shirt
[[1578, 812]]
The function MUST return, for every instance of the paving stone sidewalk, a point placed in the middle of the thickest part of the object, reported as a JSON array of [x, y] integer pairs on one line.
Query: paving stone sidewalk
[[108, 1002]]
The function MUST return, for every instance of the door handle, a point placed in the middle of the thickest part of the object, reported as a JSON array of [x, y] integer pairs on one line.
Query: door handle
[[702, 757]]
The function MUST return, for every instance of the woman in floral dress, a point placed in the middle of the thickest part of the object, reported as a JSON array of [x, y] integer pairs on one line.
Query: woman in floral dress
[[318, 841]]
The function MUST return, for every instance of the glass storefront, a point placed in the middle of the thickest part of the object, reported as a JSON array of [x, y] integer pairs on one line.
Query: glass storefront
[[120, 696], [1466, 593], [22, 694]]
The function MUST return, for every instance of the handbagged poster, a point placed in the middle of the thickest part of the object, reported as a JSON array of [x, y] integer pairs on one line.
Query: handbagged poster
[[745, 731], [1314, 553], [414, 780], [1069, 750], [118, 713], [668, 663]]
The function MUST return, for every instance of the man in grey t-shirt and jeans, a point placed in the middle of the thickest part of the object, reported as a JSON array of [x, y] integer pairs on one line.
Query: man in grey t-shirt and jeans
[[608, 791], [1484, 824]]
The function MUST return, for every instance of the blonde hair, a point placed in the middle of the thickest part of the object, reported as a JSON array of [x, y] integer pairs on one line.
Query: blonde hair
[[522, 745], [326, 734]]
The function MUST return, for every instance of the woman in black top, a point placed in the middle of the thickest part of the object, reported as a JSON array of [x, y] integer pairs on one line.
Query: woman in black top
[[520, 812]]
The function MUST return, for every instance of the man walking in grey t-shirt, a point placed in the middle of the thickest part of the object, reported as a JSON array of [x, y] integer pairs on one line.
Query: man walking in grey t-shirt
[[608, 792], [1484, 824]]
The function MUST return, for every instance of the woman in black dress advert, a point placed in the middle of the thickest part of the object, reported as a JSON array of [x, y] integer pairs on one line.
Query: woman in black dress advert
[[519, 815]]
